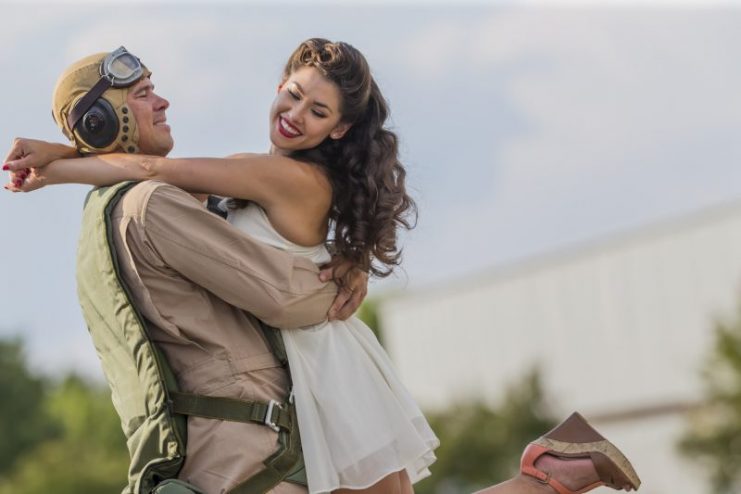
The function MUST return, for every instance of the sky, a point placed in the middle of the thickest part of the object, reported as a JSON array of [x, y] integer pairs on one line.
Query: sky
[[525, 127]]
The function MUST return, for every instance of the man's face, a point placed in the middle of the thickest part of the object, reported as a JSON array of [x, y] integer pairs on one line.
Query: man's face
[[149, 111]]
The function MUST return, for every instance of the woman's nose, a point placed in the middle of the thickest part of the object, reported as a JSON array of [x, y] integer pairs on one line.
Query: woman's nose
[[298, 111], [296, 115]]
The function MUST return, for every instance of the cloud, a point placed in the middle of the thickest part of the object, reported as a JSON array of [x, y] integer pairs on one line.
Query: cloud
[[626, 116]]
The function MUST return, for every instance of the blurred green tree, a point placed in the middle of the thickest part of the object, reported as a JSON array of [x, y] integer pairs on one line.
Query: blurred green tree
[[368, 313], [88, 452], [481, 446], [713, 434], [23, 423]]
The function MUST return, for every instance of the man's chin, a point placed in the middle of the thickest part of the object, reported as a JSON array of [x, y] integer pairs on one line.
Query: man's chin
[[161, 148]]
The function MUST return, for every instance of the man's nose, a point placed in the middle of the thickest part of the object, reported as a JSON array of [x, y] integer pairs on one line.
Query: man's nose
[[161, 103]]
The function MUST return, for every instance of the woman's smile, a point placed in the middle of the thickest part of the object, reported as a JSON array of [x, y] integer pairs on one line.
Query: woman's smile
[[287, 129]]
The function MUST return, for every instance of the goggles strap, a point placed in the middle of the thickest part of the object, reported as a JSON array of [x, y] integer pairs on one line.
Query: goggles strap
[[86, 102]]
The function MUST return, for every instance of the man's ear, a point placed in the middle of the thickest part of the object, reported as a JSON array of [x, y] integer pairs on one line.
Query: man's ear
[[340, 131]]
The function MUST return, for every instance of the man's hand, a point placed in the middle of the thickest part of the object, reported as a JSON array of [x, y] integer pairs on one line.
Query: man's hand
[[26, 159], [353, 287]]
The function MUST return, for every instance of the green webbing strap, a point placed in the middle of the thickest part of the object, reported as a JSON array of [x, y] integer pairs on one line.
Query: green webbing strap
[[272, 414], [278, 466], [281, 417], [278, 348]]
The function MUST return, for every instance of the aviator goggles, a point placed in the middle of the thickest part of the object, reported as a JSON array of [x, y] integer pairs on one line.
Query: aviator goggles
[[118, 69]]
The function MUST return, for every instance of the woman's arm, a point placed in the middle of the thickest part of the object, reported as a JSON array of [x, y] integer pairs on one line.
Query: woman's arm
[[265, 179]]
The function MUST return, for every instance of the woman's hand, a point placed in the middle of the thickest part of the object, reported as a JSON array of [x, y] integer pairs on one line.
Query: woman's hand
[[26, 160], [26, 180], [32, 153], [352, 283]]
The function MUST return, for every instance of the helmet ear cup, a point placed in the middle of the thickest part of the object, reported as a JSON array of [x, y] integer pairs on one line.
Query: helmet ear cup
[[98, 127]]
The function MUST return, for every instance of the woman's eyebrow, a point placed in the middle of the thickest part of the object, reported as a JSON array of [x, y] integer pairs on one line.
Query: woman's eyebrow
[[317, 103]]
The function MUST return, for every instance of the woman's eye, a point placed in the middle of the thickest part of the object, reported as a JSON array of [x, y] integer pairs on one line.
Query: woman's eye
[[319, 114], [293, 95]]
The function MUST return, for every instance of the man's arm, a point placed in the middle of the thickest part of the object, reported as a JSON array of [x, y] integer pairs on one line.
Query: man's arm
[[278, 288]]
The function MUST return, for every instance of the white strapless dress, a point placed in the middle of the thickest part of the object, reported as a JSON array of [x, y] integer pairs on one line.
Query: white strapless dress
[[357, 421]]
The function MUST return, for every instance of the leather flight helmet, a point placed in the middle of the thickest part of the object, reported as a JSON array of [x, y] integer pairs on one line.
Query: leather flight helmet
[[89, 105]]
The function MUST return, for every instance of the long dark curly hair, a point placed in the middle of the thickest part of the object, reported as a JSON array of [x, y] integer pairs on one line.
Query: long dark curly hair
[[369, 198]]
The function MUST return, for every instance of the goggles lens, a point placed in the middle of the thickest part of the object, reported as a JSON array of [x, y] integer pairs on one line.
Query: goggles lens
[[121, 68]]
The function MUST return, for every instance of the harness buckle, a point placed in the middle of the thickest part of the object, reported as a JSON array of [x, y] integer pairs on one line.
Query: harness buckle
[[268, 420]]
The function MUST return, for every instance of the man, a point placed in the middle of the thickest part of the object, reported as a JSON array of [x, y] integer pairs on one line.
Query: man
[[201, 285]]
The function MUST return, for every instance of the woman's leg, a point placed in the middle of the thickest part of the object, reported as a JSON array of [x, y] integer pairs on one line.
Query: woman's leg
[[406, 484], [390, 484], [574, 474]]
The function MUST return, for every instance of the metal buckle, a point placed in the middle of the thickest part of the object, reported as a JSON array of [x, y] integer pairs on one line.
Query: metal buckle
[[268, 420], [546, 480]]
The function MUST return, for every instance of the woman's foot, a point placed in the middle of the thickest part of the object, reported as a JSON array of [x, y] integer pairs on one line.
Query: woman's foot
[[574, 474], [574, 439]]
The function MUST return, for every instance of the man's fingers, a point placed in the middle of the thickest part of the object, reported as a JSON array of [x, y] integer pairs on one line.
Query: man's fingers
[[326, 274], [351, 306], [333, 271], [343, 295]]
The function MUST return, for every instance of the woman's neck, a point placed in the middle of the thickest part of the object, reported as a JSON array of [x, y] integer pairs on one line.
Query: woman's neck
[[278, 151]]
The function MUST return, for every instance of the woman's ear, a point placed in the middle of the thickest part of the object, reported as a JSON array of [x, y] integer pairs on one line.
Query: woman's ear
[[340, 131]]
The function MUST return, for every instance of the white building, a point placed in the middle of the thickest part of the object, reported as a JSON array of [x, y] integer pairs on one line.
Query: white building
[[619, 328]]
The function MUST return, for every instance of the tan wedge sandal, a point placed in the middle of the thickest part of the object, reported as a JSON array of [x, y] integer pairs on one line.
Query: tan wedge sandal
[[575, 438]]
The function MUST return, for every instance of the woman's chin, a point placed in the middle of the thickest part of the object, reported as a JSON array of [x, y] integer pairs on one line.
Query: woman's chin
[[282, 145], [278, 147]]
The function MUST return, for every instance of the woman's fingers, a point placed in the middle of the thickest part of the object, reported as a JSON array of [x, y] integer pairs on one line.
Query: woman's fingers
[[15, 181], [32, 153], [15, 151], [23, 181], [18, 164]]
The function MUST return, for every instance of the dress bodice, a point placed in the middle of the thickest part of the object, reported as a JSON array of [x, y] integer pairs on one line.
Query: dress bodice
[[254, 221]]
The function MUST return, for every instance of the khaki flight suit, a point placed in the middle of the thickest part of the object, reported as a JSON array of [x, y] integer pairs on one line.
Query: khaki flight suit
[[202, 285]]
